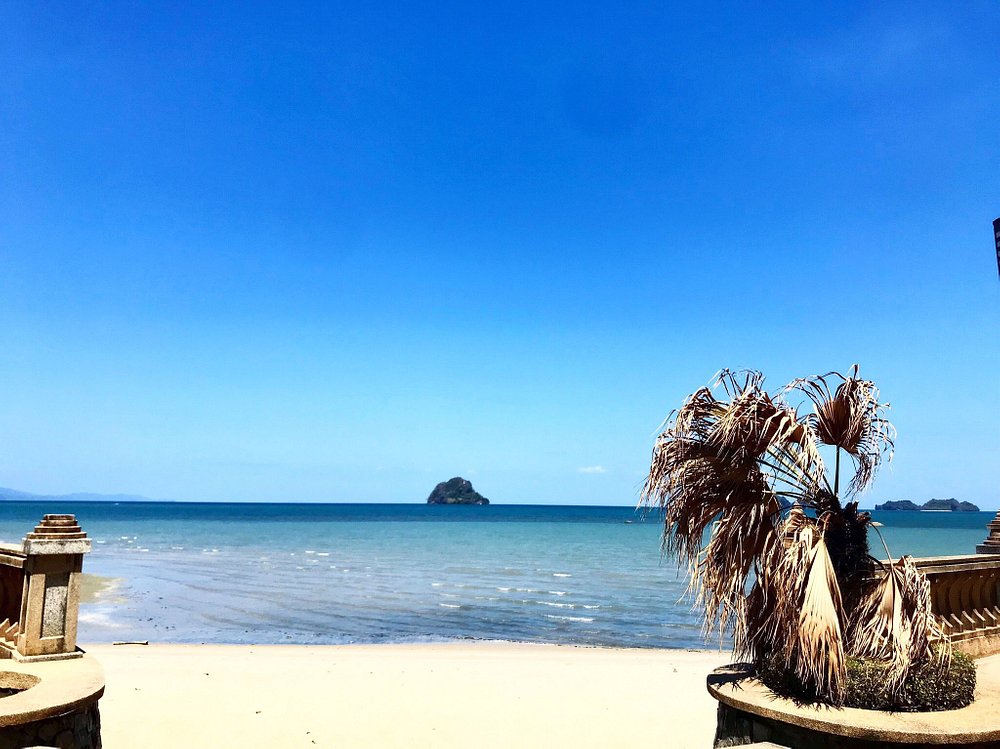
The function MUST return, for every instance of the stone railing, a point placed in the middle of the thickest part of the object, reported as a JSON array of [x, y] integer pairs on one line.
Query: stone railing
[[40, 591], [965, 596]]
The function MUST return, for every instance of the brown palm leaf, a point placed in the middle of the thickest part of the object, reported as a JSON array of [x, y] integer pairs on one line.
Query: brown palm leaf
[[813, 616], [894, 623], [771, 617], [850, 418], [724, 464]]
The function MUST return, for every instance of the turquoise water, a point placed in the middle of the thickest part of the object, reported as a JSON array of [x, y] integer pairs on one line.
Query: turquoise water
[[306, 573]]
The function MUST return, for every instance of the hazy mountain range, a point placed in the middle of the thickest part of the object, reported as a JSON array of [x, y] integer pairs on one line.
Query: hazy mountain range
[[14, 494]]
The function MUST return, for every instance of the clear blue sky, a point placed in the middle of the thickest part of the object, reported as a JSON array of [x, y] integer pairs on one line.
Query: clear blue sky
[[342, 251]]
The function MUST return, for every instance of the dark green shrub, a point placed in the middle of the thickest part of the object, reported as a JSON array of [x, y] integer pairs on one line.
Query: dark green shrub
[[928, 688]]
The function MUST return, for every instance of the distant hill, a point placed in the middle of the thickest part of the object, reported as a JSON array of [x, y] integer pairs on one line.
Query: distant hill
[[899, 504], [931, 505], [456, 491], [16, 495]]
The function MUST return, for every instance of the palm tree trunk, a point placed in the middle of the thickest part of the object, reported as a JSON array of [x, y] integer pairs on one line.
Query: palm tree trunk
[[836, 476]]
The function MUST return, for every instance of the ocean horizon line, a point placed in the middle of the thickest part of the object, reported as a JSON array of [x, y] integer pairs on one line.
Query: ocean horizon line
[[42, 499]]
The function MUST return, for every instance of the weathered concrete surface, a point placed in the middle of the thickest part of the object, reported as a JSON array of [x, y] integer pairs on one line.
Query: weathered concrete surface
[[57, 708], [991, 544], [49, 566], [61, 687], [77, 729], [749, 711]]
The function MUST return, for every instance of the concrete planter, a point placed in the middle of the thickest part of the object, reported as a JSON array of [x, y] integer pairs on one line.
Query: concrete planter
[[750, 712], [56, 707]]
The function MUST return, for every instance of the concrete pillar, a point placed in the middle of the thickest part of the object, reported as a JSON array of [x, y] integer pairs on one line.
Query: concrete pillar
[[991, 545], [51, 601]]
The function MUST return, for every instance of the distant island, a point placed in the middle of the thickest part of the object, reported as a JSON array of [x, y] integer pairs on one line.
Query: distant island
[[931, 505], [456, 491]]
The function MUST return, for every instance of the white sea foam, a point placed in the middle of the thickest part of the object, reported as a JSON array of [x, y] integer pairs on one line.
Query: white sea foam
[[322, 553], [557, 592], [436, 585], [561, 574], [310, 551], [569, 618], [504, 590], [450, 605], [557, 605]]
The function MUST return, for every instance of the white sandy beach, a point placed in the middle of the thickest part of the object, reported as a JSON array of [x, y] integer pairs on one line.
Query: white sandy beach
[[457, 695]]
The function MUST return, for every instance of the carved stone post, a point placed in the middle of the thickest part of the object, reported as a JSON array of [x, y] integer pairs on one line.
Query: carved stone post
[[51, 601], [991, 545]]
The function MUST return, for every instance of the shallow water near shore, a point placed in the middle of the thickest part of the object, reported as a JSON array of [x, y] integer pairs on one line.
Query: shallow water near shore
[[307, 573]]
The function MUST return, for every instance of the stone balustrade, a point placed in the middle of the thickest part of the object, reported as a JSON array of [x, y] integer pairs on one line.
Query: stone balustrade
[[965, 596]]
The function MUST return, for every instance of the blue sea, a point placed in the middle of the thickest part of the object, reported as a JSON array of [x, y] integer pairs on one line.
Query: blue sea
[[343, 573]]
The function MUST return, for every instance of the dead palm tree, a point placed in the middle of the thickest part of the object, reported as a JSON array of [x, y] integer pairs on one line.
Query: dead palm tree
[[786, 566]]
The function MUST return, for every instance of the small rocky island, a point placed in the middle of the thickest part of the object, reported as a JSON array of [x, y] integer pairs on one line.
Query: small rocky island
[[931, 505], [456, 491]]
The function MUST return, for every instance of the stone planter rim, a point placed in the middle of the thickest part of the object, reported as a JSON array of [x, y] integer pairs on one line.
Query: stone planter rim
[[63, 686], [735, 686]]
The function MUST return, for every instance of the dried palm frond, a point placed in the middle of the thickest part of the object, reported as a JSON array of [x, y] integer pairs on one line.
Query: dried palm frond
[[770, 610], [737, 540], [894, 623], [850, 418], [758, 427], [813, 612], [725, 464]]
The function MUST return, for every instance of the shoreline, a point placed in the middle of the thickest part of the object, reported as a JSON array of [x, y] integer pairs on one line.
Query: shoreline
[[100, 588], [456, 694]]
